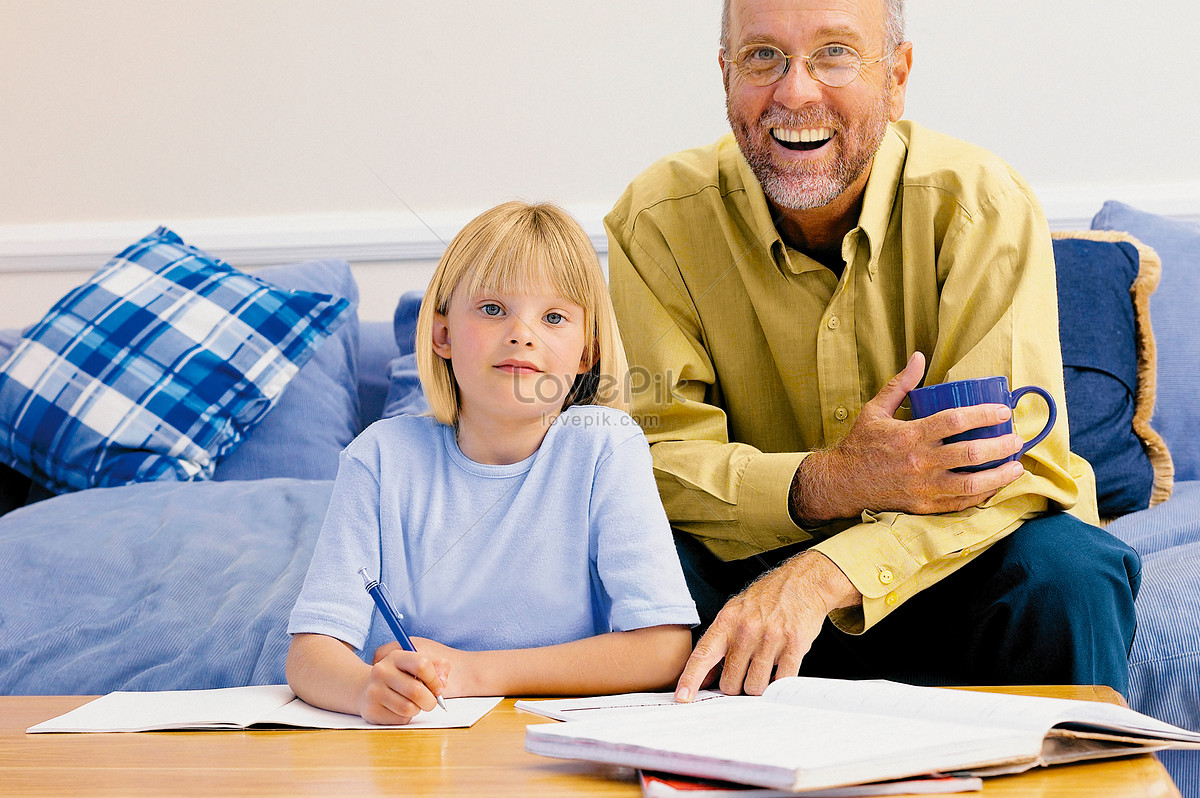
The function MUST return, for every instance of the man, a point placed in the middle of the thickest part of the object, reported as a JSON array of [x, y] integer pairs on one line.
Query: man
[[779, 293]]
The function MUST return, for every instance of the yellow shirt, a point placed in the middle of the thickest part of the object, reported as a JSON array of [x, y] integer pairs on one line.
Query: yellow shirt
[[745, 354]]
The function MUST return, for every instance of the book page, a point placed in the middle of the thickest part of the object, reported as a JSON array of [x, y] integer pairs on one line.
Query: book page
[[227, 708], [755, 741], [595, 706], [459, 713], [998, 710]]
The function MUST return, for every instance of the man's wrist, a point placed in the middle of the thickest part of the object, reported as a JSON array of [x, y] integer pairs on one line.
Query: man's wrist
[[812, 499], [829, 581], [798, 495]]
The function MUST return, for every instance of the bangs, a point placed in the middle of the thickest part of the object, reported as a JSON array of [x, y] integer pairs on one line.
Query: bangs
[[533, 250], [526, 268]]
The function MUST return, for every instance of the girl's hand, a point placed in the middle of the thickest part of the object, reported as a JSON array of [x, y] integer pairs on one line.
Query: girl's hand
[[401, 684], [459, 674]]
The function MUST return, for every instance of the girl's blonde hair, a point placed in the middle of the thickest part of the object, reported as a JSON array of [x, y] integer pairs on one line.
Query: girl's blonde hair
[[513, 248]]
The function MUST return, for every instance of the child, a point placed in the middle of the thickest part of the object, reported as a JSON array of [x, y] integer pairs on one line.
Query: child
[[519, 527]]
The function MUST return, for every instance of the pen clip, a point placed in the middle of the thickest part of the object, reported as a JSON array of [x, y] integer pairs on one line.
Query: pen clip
[[371, 584]]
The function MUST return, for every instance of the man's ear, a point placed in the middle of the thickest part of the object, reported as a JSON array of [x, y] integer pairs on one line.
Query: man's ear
[[441, 336], [724, 69], [901, 68]]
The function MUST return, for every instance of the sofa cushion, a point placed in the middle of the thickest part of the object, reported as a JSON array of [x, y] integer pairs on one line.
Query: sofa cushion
[[376, 349], [155, 586], [317, 416], [8, 342], [1173, 315], [1164, 664], [155, 368], [1105, 281], [404, 396]]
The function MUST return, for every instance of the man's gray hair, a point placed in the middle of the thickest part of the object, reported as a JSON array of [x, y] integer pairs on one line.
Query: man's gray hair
[[893, 23]]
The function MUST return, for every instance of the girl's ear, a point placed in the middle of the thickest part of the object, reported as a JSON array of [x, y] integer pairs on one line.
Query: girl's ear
[[589, 358], [441, 336]]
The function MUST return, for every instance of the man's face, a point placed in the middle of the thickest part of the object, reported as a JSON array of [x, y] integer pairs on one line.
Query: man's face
[[806, 142]]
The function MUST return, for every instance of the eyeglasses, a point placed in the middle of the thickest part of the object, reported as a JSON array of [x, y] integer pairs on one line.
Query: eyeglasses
[[835, 65]]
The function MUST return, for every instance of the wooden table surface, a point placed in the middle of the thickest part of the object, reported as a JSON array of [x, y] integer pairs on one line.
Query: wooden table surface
[[486, 760]]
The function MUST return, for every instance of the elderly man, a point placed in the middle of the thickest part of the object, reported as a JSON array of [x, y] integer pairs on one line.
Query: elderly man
[[780, 292]]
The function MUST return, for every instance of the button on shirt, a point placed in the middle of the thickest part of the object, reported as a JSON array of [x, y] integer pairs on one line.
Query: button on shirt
[[747, 354]]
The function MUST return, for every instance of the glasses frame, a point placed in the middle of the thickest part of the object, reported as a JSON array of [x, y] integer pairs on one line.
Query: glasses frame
[[807, 59]]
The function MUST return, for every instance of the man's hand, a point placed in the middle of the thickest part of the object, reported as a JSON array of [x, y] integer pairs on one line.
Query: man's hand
[[884, 463], [768, 627]]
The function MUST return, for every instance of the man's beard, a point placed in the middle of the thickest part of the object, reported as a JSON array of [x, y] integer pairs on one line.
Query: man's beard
[[807, 186]]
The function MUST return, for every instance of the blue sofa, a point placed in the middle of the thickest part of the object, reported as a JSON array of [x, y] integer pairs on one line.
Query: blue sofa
[[168, 584], [174, 585], [1164, 663]]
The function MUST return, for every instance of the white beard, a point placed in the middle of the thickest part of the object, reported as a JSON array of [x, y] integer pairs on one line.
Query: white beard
[[803, 187]]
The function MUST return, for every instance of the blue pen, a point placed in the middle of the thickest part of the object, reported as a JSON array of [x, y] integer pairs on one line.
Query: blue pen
[[379, 593]]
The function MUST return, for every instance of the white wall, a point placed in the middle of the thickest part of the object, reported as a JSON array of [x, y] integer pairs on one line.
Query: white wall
[[267, 129], [1084, 97]]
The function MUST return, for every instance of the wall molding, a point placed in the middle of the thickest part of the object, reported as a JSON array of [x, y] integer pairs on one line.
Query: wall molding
[[372, 237], [367, 237], [1071, 207]]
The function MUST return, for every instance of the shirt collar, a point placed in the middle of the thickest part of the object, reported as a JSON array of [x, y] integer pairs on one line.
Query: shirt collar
[[879, 197], [757, 210]]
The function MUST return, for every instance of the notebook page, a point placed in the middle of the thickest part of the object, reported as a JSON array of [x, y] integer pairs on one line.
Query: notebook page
[[459, 713], [228, 708]]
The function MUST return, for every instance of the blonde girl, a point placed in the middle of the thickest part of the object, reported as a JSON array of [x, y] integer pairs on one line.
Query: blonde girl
[[518, 526]]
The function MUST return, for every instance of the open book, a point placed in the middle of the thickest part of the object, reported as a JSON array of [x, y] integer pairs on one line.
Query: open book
[[603, 705], [232, 708], [805, 734]]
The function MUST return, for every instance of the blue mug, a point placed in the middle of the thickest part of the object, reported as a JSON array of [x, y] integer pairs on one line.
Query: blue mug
[[983, 391]]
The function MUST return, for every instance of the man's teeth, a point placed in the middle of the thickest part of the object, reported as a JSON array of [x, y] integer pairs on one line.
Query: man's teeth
[[804, 136]]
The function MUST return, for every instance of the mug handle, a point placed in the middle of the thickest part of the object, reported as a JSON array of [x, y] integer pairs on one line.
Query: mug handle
[[1015, 396]]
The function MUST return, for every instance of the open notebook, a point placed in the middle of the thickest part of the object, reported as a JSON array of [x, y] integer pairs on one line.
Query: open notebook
[[805, 733], [231, 708]]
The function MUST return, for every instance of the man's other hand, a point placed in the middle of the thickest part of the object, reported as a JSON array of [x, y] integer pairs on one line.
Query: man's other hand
[[884, 463], [768, 627]]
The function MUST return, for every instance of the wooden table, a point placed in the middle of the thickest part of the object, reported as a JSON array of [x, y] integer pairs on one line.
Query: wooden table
[[486, 760]]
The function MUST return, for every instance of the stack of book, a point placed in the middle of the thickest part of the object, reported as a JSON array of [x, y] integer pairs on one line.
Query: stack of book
[[807, 734]]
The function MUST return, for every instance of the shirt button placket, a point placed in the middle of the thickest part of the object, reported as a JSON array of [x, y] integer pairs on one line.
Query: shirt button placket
[[838, 361]]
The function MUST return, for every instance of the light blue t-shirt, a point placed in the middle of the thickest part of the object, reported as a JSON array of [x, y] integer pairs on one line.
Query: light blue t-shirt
[[569, 543]]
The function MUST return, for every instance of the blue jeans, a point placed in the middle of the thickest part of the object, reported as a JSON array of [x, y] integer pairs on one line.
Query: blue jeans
[[1051, 603]]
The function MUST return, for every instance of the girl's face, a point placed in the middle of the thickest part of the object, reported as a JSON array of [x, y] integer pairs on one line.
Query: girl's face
[[515, 356]]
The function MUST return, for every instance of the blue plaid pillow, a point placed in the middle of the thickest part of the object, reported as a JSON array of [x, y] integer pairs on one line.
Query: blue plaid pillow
[[155, 368]]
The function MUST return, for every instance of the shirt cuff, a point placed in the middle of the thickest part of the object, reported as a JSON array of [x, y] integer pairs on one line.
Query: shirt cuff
[[891, 557], [763, 502]]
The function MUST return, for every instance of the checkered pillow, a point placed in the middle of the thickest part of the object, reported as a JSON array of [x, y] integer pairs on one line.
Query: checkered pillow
[[154, 368]]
